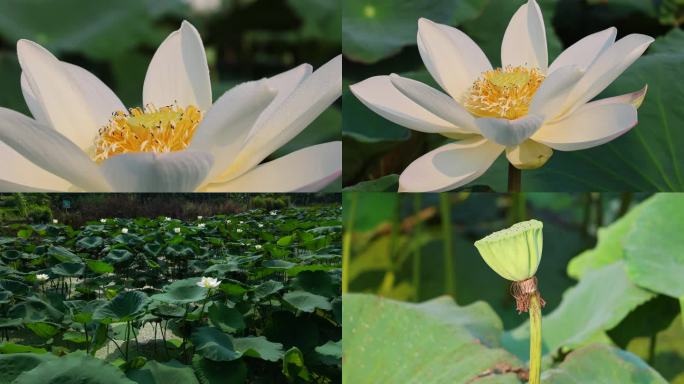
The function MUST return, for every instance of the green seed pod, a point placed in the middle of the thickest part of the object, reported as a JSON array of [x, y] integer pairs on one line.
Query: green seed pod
[[514, 253]]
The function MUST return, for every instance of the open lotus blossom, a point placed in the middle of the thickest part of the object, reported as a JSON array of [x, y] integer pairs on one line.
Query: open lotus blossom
[[55, 221], [260, 225], [258, 246], [124, 230], [200, 217], [208, 282], [201, 225], [228, 221], [103, 221], [177, 230], [167, 219], [273, 213], [83, 138], [42, 277], [526, 108], [238, 230]]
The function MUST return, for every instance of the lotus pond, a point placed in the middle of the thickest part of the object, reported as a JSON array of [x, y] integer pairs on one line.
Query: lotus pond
[[252, 297]]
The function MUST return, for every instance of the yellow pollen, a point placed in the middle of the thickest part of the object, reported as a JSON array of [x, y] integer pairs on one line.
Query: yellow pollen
[[503, 92], [166, 129]]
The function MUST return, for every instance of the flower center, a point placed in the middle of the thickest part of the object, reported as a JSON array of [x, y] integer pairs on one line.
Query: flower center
[[503, 92], [166, 129]]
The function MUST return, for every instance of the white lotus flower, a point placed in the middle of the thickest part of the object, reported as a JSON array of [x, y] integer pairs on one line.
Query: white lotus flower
[[200, 217], [273, 213], [167, 219], [55, 221], [42, 277], [228, 221], [257, 246], [204, 6], [103, 221], [124, 230], [177, 230], [242, 222], [260, 225], [83, 138], [527, 108], [201, 225], [208, 282], [238, 230]]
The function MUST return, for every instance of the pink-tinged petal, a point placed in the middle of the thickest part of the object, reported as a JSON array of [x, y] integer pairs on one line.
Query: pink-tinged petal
[[584, 52], [49, 150], [509, 133], [524, 42], [61, 102], [306, 170], [606, 69], [316, 93], [452, 58], [450, 166], [550, 98], [152, 172], [436, 102], [591, 125], [634, 98], [382, 97], [178, 72]]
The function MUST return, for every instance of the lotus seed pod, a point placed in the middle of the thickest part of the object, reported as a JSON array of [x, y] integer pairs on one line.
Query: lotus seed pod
[[514, 253]]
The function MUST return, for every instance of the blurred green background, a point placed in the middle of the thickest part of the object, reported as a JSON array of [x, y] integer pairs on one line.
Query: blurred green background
[[379, 38], [415, 247], [115, 39]]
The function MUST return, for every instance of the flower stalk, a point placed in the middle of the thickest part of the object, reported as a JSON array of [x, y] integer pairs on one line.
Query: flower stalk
[[514, 178], [535, 338]]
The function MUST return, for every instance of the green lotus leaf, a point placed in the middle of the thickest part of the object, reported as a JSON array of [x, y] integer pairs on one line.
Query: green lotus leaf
[[378, 332], [63, 255], [654, 248], [5, 296], [33, 309], [331, 348], [152, 249], [90, 242], [13, 365], [99, 267], [182, 292], [307, 302], [219, 372], [277, 264], [11, 254], [68, 269], [258, 347], [602, 364], [12, 348], [226, 319], [43, 330], [223, 268], [284, 241], [294, 367], [73, 368], [267, 288], [316, 282], [126, 306], [118, 255], [213, 344], [171, 372]]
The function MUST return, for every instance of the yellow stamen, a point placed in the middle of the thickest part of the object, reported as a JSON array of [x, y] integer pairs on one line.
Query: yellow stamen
[[166, 129], [504, 92]]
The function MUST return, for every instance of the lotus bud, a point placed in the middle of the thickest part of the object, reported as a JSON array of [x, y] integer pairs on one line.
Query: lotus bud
[[258, 246], [55, 221], [260, 225], [200, 217], [124, 230], [228, 221], [201, 225], [177, 230], [103, 221], [238, 230]]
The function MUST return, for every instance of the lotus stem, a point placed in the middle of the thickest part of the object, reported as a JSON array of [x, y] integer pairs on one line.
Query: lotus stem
[[535, 339], [514, 178], [445, 213], [416, 253], [346, 241]]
